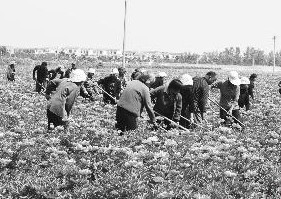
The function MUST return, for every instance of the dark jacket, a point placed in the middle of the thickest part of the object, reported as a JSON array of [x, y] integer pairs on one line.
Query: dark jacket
[[112, 85], [251, 89], [54, 72], [42, 73], [158, 82], [187, 99], [166, 104]]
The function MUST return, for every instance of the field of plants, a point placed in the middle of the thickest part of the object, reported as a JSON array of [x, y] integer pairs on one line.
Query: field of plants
[[91, 160]]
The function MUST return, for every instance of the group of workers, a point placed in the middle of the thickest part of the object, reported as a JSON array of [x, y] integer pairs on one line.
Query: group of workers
[[181, 101]]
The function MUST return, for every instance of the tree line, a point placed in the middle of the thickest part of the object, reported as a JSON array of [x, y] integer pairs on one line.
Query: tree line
[[229, 56]]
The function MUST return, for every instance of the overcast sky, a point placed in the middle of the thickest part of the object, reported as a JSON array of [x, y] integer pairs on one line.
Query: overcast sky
[[163, 25]]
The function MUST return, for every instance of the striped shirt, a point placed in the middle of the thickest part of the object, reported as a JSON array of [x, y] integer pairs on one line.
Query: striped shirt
[[201, 93]]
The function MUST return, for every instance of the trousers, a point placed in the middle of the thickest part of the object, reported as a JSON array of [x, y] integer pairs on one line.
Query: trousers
[[125, 120]]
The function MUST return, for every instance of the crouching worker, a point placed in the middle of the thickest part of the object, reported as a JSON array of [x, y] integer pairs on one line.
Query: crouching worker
[[168, 102], [112, 86], [61, 101], [229, 95], [89, 86], [132, 101]]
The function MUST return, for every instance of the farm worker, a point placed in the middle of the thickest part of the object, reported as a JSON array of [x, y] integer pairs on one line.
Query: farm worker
[[42, 76], [122, 72], [253, 78], [112, 85], [134, 98], [60, 70], [229, 95], [90, 85], [61, 102], [201, 94], [159, 80], [187, 101], [69, 70], [137, 73], [168, 101], [244, 93], [11, 71]]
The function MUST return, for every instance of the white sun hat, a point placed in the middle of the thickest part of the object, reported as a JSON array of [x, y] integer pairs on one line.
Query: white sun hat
[[186, 79], [114, 71], [13, 62], [161, 74], [92, 70], [245, 80], [78, 75], [234, 78]]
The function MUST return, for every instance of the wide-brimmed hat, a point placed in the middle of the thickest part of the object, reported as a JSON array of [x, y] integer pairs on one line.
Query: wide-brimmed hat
[[92, 70], [161, 74], [245, 80], [78, 75], [233, 77], [186, 79], [114, 71]]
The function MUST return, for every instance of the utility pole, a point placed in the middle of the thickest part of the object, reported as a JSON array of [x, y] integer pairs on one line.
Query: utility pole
[[124, 37], [274, 38]]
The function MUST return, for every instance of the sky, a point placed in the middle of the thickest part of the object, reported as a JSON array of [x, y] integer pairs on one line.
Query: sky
[[161, 25]]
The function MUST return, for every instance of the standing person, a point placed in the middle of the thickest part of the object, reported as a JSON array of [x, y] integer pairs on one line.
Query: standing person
[[230, 91], [168, 102], [159, 80], [112, 85], [11, 71], [244, 98], [253, 78], [187, 101], [61, 102], [132, 101], [60, 70], [201, 94], [42, 76], [69, 70], [90, 85]]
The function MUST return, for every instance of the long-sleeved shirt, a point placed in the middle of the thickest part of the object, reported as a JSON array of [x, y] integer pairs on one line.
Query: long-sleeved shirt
[[90, 87], [167, 104], [62, 100], [251, 88], [187, 98], [42, 73], [200, 93], [112, 85], [135, 97], [229, 94]]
